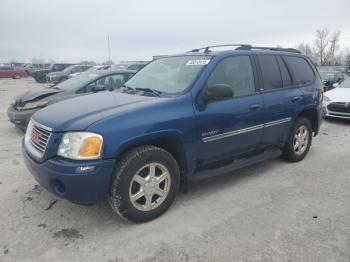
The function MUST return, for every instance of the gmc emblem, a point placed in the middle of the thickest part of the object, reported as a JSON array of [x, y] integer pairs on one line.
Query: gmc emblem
[[36, 136]]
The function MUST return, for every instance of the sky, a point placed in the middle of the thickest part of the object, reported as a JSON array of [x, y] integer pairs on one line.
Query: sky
[[76, 30]]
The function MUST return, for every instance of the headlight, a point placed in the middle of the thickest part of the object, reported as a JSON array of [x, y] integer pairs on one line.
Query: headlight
[[80, 145], [32, 105], [326, 99]]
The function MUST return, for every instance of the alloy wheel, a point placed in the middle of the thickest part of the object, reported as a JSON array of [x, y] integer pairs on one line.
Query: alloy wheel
[[301, 140], [149, 186]]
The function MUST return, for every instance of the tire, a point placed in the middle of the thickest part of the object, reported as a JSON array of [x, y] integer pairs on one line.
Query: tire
[[16, 76], [133, 179], [299, 140], [39, 79]]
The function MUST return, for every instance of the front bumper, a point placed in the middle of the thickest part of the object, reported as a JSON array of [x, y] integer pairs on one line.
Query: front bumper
[[20, 118], [333, 114], [60, 177], [337, 115]]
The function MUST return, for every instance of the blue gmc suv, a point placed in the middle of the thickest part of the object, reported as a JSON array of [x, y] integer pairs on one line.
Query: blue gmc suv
[[181, 118]]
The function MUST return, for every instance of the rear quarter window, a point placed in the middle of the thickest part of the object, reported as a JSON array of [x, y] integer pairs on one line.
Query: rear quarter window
[[301, 70]]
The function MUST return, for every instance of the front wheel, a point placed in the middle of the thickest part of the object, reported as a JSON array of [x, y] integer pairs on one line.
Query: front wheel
[[16, 76], [145, 183], [299, 141]]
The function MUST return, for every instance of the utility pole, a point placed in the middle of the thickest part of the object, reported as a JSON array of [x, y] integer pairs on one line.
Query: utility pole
[[109, 50]]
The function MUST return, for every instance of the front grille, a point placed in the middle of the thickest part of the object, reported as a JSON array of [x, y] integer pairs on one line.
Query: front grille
[[339, 107], [39, 137]]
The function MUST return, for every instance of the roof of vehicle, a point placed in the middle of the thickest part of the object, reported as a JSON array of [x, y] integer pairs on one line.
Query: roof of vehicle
[[110, 71], [238, 48], [133, 62]]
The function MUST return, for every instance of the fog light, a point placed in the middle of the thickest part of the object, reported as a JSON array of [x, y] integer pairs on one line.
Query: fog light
[[59, 187]]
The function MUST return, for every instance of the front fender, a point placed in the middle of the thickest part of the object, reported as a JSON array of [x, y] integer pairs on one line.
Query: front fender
[[185, 148]]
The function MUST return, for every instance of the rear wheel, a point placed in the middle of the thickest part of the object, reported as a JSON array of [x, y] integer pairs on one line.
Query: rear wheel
[[16, 76], [299, 140], [145, 183]]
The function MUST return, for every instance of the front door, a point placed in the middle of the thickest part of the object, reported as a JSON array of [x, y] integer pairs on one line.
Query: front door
[[231, 127]]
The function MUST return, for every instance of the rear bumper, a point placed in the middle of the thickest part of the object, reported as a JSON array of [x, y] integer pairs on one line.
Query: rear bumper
[[20, 118], [60, 177]]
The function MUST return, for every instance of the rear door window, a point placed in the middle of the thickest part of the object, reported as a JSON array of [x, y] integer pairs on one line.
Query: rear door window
[[286, 78], [301, 70], [270, 72]]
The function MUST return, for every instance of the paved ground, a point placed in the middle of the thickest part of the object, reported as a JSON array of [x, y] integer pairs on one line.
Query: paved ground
[[274, 211]]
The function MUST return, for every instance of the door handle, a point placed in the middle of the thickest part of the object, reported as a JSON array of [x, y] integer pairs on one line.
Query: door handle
[[296, 99], [255, 107]]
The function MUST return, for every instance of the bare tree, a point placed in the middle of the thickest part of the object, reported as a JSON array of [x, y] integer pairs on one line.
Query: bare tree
[[347, 57], [109, 62], [334, 46], [306, 49], [86, 62], [321, 44]]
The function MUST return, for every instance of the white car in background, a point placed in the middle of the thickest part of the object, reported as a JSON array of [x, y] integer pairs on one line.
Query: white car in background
[[336, 102], [94, 68]]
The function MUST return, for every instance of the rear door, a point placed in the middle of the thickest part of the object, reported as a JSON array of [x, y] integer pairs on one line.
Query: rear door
[[281, 99]]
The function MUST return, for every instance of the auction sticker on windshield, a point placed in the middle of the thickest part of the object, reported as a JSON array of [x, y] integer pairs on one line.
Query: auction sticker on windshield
[[198, 62]]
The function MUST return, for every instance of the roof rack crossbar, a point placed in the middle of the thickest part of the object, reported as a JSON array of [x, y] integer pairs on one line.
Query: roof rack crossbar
[[207, 48], [248, 47]]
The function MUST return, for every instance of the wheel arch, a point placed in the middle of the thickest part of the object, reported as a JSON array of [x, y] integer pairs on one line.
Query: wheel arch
[[169, 141], [312, 115]]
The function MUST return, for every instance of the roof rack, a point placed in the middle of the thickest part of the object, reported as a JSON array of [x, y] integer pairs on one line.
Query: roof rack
[[291, 50], [248, 47], [206, 49]]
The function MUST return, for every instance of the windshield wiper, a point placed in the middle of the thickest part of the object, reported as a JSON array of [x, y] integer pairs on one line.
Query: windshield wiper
[[125, 87], [53, 87], [149, 90]]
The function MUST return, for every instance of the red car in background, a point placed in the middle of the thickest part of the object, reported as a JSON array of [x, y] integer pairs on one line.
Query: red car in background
[[12, 72]]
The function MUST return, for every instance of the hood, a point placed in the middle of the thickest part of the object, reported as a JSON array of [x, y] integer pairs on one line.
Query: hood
[[338, 94], [55, 73], [80, 112], [36, 95]]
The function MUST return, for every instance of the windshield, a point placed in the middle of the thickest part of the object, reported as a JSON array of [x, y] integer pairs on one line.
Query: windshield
[[68, 69], [345, 84], [327, 75], [75, 82], [171, 75]]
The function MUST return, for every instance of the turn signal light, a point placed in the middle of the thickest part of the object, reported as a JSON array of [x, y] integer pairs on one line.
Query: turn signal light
[[91, 147]]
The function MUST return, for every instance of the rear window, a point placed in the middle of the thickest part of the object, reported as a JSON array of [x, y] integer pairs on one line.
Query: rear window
[[302, 72], [270, 72]]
